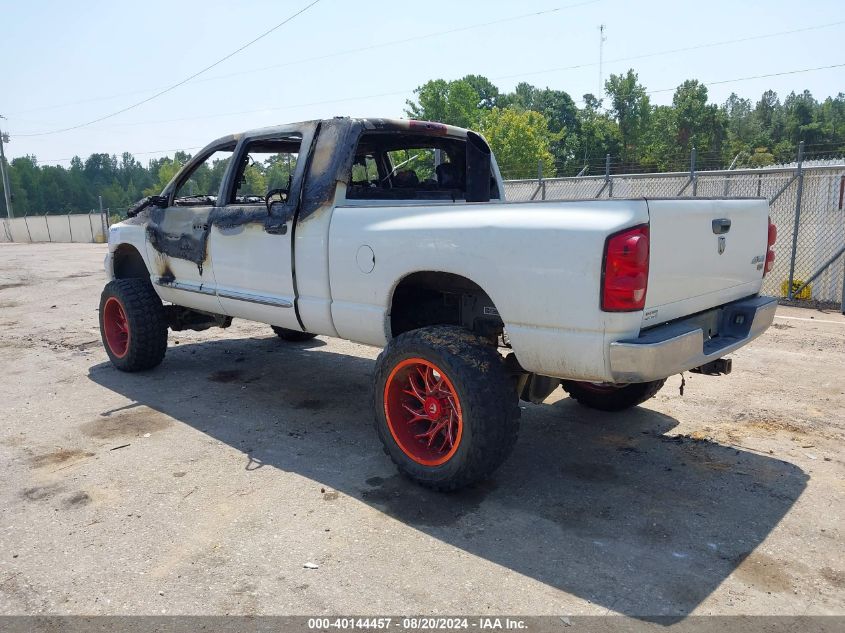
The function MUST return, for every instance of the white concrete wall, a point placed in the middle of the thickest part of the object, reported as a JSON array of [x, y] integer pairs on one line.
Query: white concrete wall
[[81, 226], [19, 231], [39, 228], [59, 229], [77, 227]]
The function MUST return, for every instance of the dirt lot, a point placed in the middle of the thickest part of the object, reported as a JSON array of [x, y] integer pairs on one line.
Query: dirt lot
[[206, 485]]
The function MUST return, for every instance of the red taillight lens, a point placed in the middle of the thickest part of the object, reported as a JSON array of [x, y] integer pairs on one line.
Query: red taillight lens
[[770, 253], [770, 262], [625, 274]]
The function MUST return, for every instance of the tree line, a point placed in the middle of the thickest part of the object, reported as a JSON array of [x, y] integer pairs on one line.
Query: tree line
[[529, 129], [533, 125]]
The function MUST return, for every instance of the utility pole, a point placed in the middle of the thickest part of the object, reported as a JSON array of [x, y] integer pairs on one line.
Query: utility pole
[[602, 39], [4, 138]]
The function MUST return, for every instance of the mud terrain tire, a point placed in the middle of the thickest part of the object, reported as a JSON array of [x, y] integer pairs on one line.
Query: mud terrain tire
[[611, 397], [457, 379], [133, 326]]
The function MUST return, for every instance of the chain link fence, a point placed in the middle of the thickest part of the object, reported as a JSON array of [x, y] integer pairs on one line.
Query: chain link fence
[[806, 205]]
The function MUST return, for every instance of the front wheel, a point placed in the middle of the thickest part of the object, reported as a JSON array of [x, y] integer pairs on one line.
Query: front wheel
[[133, 325], [292, 336], [610, 396], [446, 411]]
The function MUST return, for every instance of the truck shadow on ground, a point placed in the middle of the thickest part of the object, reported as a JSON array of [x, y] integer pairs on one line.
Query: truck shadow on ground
[[606, 507]]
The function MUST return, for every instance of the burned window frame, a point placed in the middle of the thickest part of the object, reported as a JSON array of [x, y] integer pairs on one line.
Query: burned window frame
[[380, 142], [239, 161], [188, 169]]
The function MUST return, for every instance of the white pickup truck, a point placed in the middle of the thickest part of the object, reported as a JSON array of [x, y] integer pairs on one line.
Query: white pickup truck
[[396, 234]]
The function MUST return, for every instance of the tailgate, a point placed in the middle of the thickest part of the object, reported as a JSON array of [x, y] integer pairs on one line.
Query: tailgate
[[703, 253]]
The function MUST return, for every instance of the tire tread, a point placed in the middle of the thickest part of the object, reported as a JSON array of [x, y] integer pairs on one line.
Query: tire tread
[[147, 324], [489, 403], [624, 398]]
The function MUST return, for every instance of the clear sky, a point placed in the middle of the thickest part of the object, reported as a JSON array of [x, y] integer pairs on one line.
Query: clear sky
[[64, 63]]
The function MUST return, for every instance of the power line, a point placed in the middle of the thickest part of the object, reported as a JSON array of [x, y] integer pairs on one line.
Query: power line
[[154, 151], [182, 82], [406, 40], [728, 81], [336, 54], [710, 83], [266, 109], [672, 51], [405, 91]]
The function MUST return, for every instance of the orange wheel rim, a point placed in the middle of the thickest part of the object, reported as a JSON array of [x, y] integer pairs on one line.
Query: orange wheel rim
[[423, 411], [116, 327]]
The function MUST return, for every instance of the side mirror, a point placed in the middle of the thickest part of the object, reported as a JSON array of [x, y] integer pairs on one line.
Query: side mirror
[[156, 201], [478, 169]]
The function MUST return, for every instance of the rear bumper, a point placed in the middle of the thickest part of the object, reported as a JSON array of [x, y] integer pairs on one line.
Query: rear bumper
[[679, 346]]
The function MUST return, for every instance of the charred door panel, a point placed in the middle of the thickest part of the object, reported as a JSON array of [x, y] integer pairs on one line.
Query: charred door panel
[[176, 247]]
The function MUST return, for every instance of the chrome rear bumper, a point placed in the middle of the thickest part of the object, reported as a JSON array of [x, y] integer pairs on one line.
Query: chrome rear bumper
[[679, 346]]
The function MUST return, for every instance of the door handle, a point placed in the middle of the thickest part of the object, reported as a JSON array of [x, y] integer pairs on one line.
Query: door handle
[[721, 226]]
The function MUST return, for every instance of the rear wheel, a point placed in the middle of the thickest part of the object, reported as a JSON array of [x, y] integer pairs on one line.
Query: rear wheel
[[132, 324], [292, 336], [609, 396], [445, 408]]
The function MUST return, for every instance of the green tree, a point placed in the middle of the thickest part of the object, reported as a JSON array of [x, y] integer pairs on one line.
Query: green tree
[[699, 124], [253, 183], [488, 94], [766, 108], [519, 139], [801, 114], [832, 117], [630, 106], [452, 102], [660, 150], [599, 135], [167, 168]]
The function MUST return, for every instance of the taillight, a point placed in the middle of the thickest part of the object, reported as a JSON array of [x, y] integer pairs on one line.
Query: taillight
[[770, 252], [625, 272]]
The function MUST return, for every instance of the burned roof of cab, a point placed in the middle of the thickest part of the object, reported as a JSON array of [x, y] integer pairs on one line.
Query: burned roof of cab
[[370, 124]]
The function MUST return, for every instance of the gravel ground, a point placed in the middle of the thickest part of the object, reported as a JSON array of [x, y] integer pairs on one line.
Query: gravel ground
[[205, 486]]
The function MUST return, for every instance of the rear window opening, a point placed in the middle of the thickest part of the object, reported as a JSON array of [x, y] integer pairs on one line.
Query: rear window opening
[[397, 166]]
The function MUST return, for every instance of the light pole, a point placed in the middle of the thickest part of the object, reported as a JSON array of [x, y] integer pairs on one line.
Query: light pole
[[4, 138]]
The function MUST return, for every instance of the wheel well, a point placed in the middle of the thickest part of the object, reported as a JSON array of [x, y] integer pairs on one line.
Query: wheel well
[[436, 298], [128, 263]]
